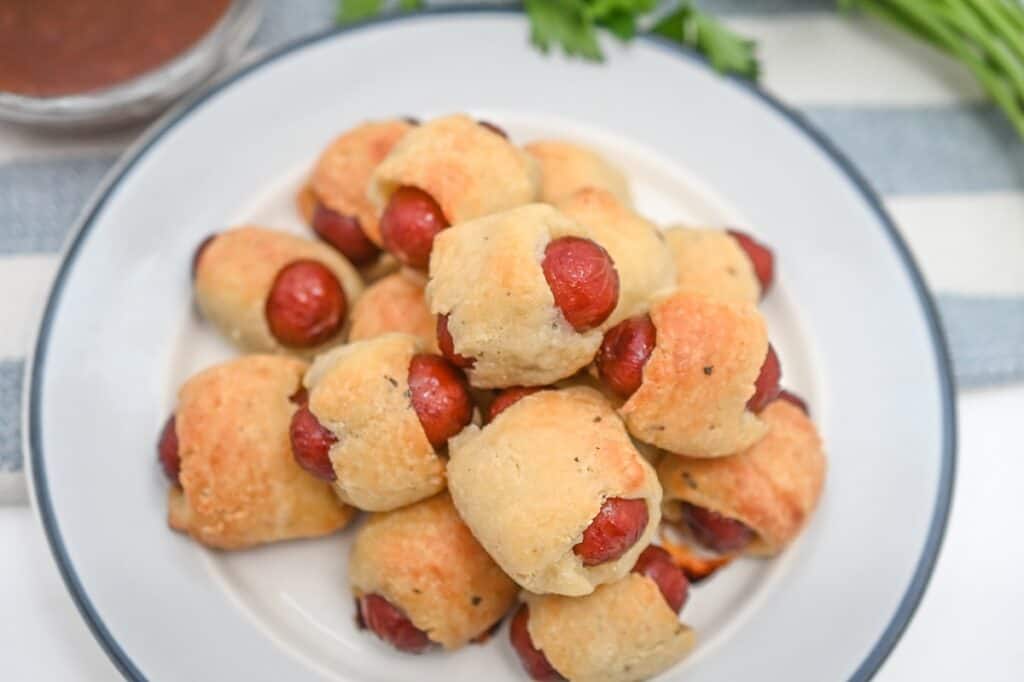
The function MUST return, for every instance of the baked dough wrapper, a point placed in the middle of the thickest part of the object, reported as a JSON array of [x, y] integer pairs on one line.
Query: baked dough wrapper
[[621, 632], [530, 482], [644, 263], [341, 176], [423, 559], [711, 262], [468, 170], [698, 379], [395, 304], [772, 487], [566, 168], [360, 392], [236, 272], [240, 485], [486, 275]]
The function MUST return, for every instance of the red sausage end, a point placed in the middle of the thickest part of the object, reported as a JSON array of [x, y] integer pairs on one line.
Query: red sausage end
[[344, 233], [618, 525], [440, 396], [391, 625], [311, 444], [306, 305], [583, 280], [534, 661], [624, 352]]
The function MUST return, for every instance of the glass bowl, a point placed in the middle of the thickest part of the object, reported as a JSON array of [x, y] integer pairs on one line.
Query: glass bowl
[[148, 94]]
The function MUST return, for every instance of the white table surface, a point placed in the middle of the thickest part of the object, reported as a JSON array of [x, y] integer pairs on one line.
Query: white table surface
[[967, 627]]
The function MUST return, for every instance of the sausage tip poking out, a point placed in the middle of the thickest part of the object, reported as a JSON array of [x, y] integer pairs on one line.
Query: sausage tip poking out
[[440, 397], [306, 305], [447, 345], [624, 352], [199, 253], [507, 398], [716, 532], [493, 128], [344, 233], [655, 563], [794, 399], [760, 256], [534, 661], [618, 525], [167, 450], [766, 387], [408, 225], [311, 444], [583, 281], [391, 625]]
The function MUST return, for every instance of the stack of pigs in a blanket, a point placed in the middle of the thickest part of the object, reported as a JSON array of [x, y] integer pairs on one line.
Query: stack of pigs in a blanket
[[548, 406]]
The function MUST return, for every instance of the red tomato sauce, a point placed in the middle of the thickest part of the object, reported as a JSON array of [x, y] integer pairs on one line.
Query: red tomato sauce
[[61, 47]]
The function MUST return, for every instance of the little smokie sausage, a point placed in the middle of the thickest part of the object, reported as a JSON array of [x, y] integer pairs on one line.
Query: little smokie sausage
[[408, 225], [623, 353], [440, 396], [794, 399], [306, 305], [345, 233], [534, 661], [627, 346], [494, 129], [766, 388], [760, 256], [715, 531], [618, 525], [583, 280], [167, 450], [311, 441], [657, 564], [507, 398], [653, 563], [391, 625]]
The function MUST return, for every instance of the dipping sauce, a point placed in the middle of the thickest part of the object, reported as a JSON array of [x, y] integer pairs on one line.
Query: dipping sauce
[[61, 47]]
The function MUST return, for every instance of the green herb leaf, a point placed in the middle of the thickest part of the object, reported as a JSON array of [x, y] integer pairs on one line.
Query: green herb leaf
[[563, 23], [350, 11], [727, 51]]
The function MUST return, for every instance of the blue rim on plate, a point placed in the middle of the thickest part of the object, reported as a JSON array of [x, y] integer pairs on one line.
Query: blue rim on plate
[[940, 515]]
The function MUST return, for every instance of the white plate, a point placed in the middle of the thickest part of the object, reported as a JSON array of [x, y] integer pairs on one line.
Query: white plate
[[850, 317]]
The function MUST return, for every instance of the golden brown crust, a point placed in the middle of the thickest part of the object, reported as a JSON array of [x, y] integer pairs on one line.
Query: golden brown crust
[[641, 258], [360, 392], [423, 559], [469, 170], [773, 486], [341, 177], [394, 304], [240, 483], [711, 262], [566, 167], [622, 632], [237, 271], [486, 275], [699, 377], [529, 483]]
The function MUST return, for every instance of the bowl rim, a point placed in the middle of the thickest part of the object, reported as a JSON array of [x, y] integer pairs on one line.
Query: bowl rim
[[32, 428], [147, 92]]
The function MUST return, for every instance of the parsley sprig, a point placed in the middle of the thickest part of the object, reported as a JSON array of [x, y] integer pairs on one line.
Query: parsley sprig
[[575, 26], [987, 36]]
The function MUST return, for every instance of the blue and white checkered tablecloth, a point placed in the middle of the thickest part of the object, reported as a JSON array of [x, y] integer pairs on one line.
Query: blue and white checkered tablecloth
[[950, 169]]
